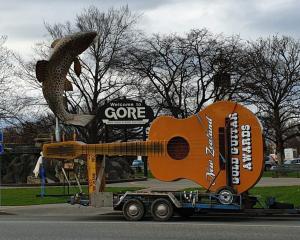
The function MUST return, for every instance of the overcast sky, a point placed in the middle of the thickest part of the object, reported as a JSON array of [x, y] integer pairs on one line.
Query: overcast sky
[[23, 20]]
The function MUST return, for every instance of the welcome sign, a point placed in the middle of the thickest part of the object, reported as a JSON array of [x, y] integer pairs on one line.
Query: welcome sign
[[126, 113]]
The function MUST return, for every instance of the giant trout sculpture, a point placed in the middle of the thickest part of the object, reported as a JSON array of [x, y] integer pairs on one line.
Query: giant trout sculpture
[[52, 74]]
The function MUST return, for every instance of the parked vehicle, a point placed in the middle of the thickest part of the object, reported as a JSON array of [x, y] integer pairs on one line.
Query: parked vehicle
[[292, 161], [137, 164], [288, 164], [269, 163]]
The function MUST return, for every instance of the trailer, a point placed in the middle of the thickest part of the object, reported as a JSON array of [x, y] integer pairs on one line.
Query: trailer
[[164, 205], [220, 148]]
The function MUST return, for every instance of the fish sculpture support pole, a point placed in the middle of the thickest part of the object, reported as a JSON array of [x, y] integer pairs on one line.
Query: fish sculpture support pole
[[52, 74], [57, 130]]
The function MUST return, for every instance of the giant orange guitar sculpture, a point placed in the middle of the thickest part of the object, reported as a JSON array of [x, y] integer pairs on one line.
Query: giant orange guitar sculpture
[[219, 147]]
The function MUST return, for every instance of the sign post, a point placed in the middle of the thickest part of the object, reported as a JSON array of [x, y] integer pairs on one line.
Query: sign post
[[126, 113]]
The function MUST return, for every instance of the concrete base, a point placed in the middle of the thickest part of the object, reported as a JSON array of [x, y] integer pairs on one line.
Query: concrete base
[[101, 199]]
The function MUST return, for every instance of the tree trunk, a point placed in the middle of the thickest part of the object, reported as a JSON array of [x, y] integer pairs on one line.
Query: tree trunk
[[92, 133], [279, 138], [280, 150]]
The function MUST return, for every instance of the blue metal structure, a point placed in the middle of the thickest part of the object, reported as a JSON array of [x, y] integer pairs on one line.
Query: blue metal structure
[[161, 205]]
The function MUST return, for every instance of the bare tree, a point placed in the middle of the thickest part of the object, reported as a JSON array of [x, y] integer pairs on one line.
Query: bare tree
[[160, 63], [11, 105], [5, 65], [180, 75], [273, 84], [27, 131]]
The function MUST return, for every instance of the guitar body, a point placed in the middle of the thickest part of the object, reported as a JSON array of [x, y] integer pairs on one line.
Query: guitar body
[[197, 148]]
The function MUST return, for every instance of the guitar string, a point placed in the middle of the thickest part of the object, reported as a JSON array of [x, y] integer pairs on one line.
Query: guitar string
[[145, 143], [143, 146], [174, 144], [136, 153]]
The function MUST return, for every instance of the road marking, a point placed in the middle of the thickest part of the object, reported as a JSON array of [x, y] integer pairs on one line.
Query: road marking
[[15, 221]]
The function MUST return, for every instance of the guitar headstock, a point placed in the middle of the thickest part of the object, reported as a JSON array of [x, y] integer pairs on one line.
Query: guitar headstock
[[63, 150]]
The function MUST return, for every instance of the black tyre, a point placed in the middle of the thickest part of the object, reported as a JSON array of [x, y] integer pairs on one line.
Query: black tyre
[[162, 209], [133, 210]]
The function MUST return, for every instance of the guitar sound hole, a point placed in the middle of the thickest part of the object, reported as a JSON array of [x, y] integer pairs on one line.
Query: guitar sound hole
[[178, 148]]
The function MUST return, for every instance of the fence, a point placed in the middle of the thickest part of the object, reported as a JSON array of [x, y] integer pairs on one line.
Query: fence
[[283, 170]]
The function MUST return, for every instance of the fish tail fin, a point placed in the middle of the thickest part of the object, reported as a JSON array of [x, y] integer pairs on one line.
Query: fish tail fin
[[80, 120]]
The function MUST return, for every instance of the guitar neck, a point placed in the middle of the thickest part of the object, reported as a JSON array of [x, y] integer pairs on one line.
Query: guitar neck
[[147, 148], [71, 150]]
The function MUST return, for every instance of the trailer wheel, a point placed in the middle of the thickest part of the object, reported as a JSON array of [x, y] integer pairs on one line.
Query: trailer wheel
[[133, 210], [225, 195], [162, 210]]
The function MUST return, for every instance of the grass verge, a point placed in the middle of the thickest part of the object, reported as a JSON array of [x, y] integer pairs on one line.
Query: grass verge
[[28, 196], [289, 194], [285, 175]]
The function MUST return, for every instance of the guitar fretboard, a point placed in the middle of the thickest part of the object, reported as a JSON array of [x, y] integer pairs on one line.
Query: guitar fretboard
[[73, 149], [149, 148]]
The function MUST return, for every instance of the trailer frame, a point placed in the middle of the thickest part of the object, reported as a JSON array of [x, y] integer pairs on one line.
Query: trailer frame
[[162, 205], [159, 204]]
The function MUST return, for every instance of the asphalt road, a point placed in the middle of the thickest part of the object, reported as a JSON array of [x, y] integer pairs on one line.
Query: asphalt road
[[112, 227], [63, 221]]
